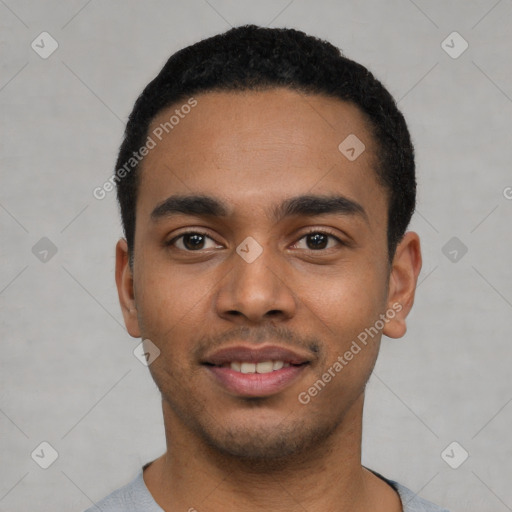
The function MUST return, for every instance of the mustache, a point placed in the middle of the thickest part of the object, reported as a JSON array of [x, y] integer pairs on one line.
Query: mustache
[[258, 336]]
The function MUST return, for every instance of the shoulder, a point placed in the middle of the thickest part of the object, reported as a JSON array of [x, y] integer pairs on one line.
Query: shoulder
[[132, 497], [412, 502]]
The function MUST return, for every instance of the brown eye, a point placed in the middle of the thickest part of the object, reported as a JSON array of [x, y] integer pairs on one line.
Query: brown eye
[[318, 240], [193, 241]]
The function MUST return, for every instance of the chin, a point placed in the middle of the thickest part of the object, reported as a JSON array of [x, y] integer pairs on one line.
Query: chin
[[268, 446]]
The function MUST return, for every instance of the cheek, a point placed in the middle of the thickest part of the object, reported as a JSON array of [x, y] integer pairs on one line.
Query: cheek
[[168, 306], [168, 301], [344, 314], [345, 308], [349, 301]]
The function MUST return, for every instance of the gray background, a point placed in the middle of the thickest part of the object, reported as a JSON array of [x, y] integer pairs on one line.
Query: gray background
[[68, 375]]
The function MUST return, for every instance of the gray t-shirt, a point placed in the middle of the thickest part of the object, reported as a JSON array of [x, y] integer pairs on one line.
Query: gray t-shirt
[[135, 497]]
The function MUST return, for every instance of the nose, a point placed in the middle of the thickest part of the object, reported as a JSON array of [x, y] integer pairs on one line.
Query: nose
[[256, 291]]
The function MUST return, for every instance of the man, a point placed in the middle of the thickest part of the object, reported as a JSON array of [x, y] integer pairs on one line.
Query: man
[[265, 183]]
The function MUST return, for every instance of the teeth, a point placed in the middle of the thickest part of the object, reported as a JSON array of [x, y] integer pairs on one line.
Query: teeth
[[263, 367], [248, 367]]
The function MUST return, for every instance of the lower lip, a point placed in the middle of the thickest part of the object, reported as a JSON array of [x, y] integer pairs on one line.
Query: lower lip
[[256, 384]]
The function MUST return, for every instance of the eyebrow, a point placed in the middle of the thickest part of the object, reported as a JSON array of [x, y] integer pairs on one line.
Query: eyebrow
[[304, 205]]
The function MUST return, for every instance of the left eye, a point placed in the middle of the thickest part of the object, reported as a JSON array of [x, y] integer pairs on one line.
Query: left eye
[[318, 240]]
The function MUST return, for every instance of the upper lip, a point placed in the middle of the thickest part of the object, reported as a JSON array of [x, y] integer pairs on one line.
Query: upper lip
[[255, 355]]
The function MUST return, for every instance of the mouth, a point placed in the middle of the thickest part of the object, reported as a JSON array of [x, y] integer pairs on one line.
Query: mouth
[[247, 367], [248, 372]]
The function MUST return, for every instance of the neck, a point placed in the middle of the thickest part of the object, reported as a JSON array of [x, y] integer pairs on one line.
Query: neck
[[193, 475]]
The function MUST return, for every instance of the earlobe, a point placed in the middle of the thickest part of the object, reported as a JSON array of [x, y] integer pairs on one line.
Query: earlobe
[[403, 278], [125, 289]]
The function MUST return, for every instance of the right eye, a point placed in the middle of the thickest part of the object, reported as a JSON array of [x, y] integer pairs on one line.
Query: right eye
[[192, 241]]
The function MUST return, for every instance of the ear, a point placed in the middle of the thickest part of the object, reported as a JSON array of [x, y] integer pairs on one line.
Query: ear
[[403, 277], [125, 290]]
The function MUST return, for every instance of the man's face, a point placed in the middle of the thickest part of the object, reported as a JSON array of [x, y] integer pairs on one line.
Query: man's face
[[250, 277]]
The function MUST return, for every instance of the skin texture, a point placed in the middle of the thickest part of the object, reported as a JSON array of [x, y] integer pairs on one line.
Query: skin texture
[[252, 151]]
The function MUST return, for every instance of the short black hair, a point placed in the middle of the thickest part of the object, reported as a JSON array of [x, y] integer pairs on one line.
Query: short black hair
[[255, 58]]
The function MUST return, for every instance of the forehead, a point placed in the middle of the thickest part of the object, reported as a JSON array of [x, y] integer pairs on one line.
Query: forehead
[[255, 146], [277, 119]]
